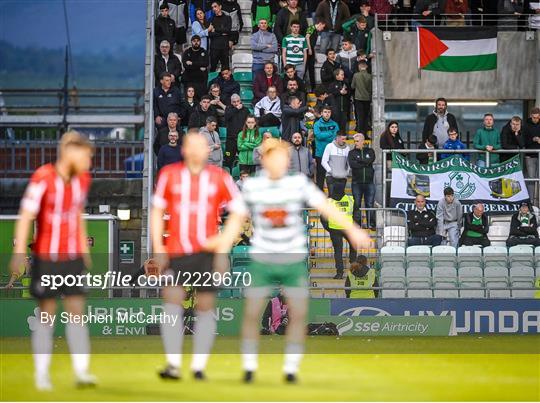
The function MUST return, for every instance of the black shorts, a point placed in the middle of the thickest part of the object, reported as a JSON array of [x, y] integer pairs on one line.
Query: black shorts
[[193, 271], [39, 288]]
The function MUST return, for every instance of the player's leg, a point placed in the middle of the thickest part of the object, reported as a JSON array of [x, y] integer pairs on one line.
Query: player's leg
[[297, 304], [253, 307], [42, 343], [78, 341], [172, 330], [205, 331]]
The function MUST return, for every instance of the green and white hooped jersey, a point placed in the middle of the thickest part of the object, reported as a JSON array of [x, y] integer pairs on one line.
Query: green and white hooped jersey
[[294, 49], [277, 206]]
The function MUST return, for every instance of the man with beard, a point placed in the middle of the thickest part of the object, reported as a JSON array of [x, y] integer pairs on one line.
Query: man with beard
[[195, 60], [162, 138], [301, 159], [438, 123], [292, 91], [169, 153]]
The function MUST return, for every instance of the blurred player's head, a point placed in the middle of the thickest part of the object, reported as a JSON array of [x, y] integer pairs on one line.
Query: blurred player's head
[[195, 149], [275, 157], [75, 151]]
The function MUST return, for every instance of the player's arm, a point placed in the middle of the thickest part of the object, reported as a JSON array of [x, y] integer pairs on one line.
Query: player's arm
[[157, 224], [356, 235]]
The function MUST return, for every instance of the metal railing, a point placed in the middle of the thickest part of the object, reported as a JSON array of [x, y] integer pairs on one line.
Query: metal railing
[[80, 101], [19, 159], [409, 21]]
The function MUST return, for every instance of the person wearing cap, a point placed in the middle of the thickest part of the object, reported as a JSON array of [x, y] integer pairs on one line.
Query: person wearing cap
[[475, 228], [195, 61], [523, 228], [214, 142], [449, 217], [164, 26]]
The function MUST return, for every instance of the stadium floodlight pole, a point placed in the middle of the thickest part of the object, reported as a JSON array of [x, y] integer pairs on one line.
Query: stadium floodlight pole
[[148, 174]]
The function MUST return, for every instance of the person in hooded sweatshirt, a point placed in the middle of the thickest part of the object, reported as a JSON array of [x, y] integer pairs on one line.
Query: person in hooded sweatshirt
[[438, 122], [214, 142], [335, 161], [291, 117], [347, 58], [324, 131], [233, 10], [360, 279], [345, 203]]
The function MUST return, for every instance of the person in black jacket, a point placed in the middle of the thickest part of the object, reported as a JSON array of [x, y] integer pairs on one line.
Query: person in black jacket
[[475, 228], [227, 84], [166, 99], [429, 144], [164, 26], [291, 74], [162, 137], [391, 140], [361, 160], [340, 98], [169, 153], [422, 225], [233, 10], [178, 11], [284, 18], [235, 118], [292, 90], [438, 122], [512, 137], [201, 113], [195, 60], [220, 38], [291, 117], [189, 103], [329, 66], [166, 61], [531, 134], [523, 228]]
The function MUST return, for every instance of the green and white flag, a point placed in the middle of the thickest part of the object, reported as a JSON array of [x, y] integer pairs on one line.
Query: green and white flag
[[500, 187]]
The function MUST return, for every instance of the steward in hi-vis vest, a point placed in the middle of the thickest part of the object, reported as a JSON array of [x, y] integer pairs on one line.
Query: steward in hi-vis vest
[[361, 278], [346, 206]]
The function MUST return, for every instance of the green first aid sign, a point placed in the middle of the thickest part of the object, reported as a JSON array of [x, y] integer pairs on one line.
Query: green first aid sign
[[127, 251], [391, 325]]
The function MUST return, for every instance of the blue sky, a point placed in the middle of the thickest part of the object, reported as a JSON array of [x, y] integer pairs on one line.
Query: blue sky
[[95, 25]]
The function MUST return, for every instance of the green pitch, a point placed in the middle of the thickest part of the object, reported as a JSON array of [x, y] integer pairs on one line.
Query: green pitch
[[456, 368]]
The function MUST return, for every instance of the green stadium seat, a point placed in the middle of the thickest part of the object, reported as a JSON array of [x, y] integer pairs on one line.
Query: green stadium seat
[[224, 294], [243, 76], [246, 94], [222, 133], [272, 129], [212, 75], [236, 172], [236, 293]]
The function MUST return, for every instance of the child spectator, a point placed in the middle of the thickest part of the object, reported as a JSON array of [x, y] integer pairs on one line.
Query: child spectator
[[243, 176], [429, 144], [248, 139], [453, 143]]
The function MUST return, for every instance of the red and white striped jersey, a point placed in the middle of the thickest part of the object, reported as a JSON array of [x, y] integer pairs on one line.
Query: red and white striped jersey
[[194, 203], [58, 207]]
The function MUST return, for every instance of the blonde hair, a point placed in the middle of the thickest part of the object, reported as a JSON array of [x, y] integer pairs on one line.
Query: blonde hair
[[75, 139], [272, 144]]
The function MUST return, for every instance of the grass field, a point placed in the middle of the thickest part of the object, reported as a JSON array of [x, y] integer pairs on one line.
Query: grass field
[[456, 368]]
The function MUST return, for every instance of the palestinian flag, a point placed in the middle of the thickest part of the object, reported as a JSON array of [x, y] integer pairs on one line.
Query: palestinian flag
[[457, 49]]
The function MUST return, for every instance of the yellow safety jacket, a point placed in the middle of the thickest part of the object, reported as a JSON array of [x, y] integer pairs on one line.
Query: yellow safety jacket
[[346, 206], [359, 285]]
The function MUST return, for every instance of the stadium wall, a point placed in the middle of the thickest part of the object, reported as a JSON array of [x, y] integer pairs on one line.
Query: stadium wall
[[514, 78], [472, 316]]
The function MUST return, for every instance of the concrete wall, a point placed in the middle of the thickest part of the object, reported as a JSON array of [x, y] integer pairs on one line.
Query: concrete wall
[[513, 79]]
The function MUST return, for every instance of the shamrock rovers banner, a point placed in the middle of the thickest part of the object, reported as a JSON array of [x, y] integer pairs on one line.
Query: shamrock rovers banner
[[500, 187]]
